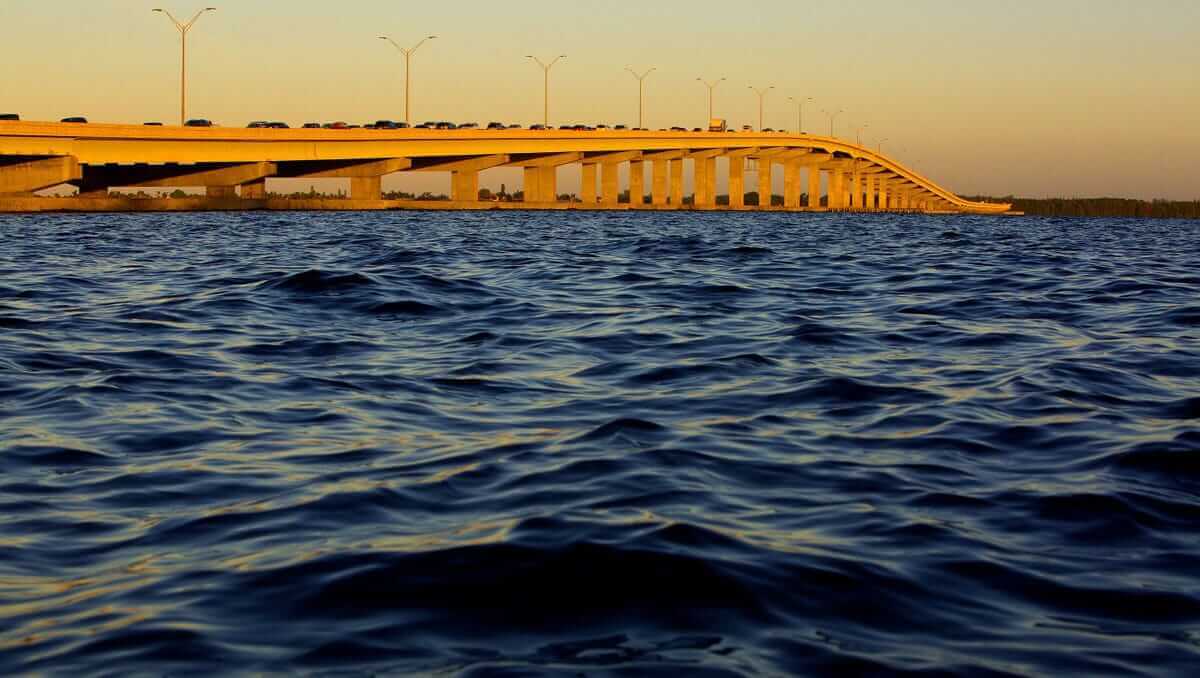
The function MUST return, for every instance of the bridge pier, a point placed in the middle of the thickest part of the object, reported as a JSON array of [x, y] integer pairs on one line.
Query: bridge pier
[[21, 175], [677, 183], [610, 183], [814, 186], [637, 183], [705, 178], [255, 190], [587, 192], [765, 181], [856, 196], [837, 189], [737, 181], [791, 184], [882, 196], [660, 169]]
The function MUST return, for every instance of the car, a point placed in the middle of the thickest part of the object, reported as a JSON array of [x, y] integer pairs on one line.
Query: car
[[425, 125], [566, 126], [75, 119], [768, 129], [469, 125], [678, 129], [514, 126], [747, 128], [336, 125], [198, 122], [152, 124], [495, 125], [601, 126], [445, 125], [9, 116], [366, 126], [312, 125], [402, 125], [354, 126], [278, 125], [385, 124], [697, 129], [258, 124], [538, 127], [620, 127]]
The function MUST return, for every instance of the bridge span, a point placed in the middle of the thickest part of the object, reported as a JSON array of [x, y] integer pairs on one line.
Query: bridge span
[[235, 164]]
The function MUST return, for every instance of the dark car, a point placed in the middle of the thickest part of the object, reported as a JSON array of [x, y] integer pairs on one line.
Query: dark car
[[514, 127], [152, 124], [538, 127], [385, 124], [566, 126], [312, 125], [258, 124], [697, 129], [198, 122], [75, 118], [469, 125], [620, 127], [601, 126], [767, 129], [425, 125], [278, 125], [495, 125], [445, 125], [678, 129], [9, 116], [336, 125]]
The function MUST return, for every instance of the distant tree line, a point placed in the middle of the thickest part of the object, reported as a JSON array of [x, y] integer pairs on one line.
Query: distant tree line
[[1101, 207]]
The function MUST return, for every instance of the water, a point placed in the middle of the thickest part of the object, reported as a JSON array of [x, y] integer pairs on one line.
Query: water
[[598, 444]]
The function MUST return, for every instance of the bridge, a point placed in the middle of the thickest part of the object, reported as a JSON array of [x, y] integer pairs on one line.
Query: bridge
[[234, 165]]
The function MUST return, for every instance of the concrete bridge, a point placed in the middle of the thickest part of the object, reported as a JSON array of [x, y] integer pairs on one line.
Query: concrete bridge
[[235, 164]]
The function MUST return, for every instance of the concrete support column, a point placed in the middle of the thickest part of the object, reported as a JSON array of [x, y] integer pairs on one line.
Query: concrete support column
[[764, 182], [883, 194], [658, 190], [637, 183], [791, 184], [255, 190], [710, 178], [814, 187], [837, 189], [464, 186], [856, 195], [737, 182], [609, 182], [548, 183], [868, 191], [699, 183], [366, 188], [587, 193], [677, 183]]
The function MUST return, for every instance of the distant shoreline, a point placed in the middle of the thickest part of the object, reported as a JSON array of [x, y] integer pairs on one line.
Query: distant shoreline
[[1101, 207]]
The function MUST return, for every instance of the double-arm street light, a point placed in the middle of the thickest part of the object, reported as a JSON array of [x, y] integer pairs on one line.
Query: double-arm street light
[[800, 112], [184, 27], [711, 86], [832, 117], [407, 70], [641, 91], [546, 95], [860, 130], [762, 96]]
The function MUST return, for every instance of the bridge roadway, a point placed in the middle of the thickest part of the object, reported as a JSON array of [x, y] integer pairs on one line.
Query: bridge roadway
[[230, 162]]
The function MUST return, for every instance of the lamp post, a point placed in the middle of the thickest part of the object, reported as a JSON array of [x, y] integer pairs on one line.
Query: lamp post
[[762, 96], [407, 70], [546, 96], [859, 132], [879, 148], [641, 91], [800, 112], [711, 86], [184, 28], [832, 117]]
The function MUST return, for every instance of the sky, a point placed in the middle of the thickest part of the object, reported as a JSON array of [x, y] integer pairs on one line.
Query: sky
[[1071, 98]]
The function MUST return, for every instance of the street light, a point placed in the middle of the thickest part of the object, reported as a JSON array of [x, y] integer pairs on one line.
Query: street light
[[183, 33], [711, 86], [762, 95], [641, 91], [800, 114], [833, 116], [546, 72], [879, 148], [407, 70], [860, 129]]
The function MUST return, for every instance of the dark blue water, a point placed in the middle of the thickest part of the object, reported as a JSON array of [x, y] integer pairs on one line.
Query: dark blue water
[[599, 444]]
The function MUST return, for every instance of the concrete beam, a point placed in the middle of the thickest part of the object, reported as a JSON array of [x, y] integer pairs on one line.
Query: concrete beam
[[158, 176], [459, 164], [742, 152], [34, 175], [705, 154], [612, 158], [662, 155], [341, 169], [544, 159]]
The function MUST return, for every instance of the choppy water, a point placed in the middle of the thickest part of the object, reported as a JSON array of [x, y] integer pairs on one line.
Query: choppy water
[[599, 444]]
